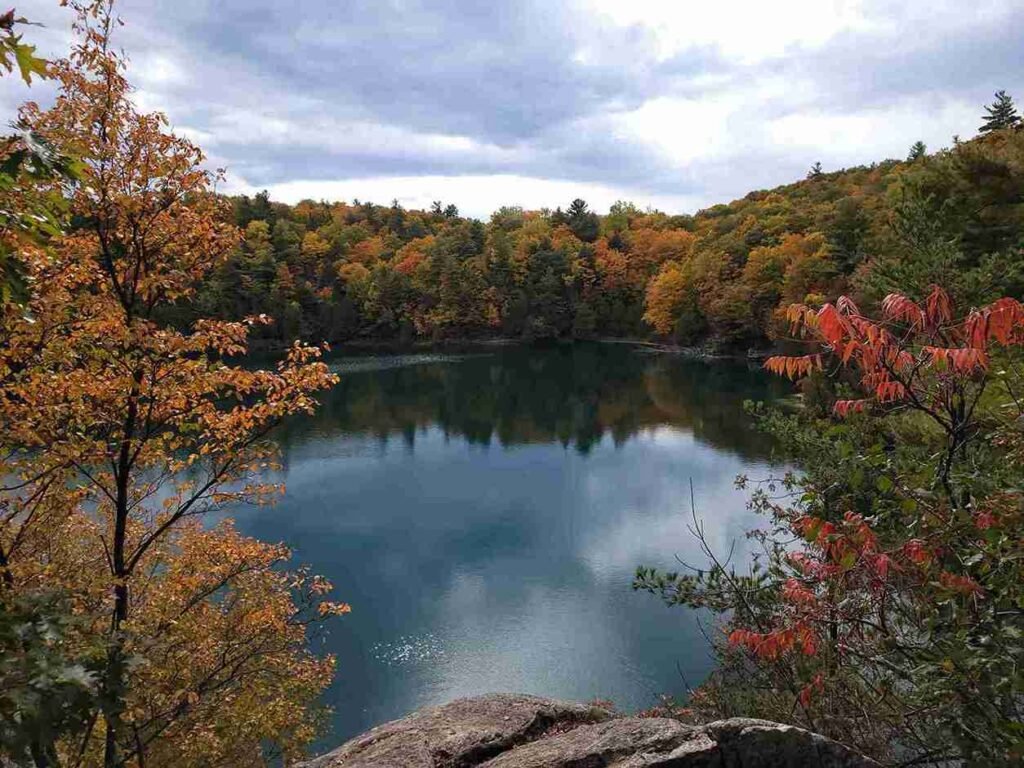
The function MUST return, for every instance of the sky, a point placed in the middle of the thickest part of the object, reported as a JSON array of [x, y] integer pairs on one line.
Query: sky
[[674, 104]]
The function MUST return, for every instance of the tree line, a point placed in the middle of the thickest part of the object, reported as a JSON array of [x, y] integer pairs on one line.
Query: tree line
[[344, 271]]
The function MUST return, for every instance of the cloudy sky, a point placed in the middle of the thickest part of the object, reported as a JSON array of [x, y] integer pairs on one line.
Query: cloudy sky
[[672, 103]]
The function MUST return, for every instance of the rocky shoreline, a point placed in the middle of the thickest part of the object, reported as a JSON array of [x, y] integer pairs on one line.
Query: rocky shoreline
[[521, 731]]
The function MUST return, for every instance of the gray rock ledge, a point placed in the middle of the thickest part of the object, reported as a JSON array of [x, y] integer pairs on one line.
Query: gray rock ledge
[[519, 731]]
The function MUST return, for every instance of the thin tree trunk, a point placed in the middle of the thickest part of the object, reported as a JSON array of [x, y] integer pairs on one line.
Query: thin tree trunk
[[115, 683]]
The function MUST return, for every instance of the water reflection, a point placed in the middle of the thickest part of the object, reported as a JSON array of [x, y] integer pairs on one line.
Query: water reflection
[[484, 515], [573, 395]]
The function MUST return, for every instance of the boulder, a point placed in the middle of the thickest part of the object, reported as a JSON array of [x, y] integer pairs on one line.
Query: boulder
[[466, 732], [518, 731]]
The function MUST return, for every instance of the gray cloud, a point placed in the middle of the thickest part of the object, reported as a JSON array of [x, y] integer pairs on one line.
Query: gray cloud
[[314, 91], [974, 59]]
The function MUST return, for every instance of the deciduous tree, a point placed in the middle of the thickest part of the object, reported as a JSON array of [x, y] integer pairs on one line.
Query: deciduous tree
[[116, 427], [894, 621]]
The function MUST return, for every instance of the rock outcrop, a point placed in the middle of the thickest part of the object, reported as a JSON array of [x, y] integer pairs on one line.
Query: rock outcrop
[[518, 731]]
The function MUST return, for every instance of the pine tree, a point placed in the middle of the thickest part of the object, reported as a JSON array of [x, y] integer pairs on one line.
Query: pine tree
[[1001, 114], [584, 224], [815, 172], [917, 150]]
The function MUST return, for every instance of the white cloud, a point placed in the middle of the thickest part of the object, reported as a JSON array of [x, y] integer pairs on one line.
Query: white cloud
[[475, 195], [745, 31], [682, 130], [858, 137], [719, 122], [158, 70]]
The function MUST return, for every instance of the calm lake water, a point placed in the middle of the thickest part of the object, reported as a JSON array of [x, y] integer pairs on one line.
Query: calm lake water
[[484, 515]]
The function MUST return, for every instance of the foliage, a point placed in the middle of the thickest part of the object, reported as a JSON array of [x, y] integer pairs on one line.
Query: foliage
[[120, 430], [30, 215], [33, 215], [887, 608], [1001, 114], [722, 277], [15, 53], [48, 686]]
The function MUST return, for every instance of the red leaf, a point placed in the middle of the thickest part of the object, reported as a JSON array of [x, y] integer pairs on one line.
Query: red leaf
[[845, 305], [843, 408], [882, 563], [939, 309], [898, 307], [918, 552], [959, 359], [1005, 316], [965, 585], [831, 325]]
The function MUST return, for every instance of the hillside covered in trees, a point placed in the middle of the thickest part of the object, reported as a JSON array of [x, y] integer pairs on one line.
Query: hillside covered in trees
[[343, 271]]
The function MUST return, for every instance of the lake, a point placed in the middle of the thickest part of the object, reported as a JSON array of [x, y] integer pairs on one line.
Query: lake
[[484, 514]]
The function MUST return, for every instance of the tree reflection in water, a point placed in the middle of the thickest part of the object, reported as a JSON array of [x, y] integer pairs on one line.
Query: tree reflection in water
[[570, 394]]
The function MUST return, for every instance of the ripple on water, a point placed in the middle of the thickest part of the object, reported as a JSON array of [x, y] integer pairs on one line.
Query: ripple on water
[[408, 650], [385, 362]]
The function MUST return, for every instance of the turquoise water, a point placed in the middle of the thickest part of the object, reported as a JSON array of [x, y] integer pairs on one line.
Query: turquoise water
[[484, 515]]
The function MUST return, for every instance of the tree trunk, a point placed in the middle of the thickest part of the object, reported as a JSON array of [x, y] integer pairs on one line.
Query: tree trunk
[[115, 683]]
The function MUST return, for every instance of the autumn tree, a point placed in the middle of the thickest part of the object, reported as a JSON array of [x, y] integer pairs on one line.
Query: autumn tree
[[46, 683], [650, 248], [667, 294], [120, 430], [894, 622]]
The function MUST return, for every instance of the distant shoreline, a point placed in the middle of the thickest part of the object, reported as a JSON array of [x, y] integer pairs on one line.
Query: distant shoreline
[[375, 346]]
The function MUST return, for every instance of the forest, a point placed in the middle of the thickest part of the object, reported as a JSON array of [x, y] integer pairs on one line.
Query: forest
[[719, 278]]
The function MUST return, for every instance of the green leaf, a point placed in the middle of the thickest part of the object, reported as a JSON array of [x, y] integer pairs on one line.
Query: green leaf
[[812, 530], [28, 63]]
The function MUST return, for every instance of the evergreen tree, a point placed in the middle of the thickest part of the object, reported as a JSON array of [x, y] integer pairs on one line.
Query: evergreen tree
[[584, 224], [577, 208], [1001, 114], [917, 150], [815, 172], [847, 232], [396, 219]]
